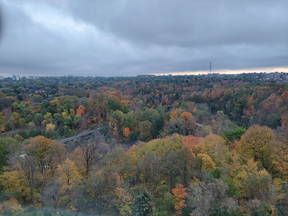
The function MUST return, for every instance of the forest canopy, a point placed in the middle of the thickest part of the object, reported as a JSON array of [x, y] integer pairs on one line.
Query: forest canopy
[[214, 145]]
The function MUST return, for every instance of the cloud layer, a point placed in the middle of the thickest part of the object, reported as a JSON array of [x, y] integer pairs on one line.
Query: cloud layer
[[128, 37]]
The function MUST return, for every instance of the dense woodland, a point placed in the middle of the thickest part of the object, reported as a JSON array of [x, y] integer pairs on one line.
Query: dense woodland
[[207, 145]]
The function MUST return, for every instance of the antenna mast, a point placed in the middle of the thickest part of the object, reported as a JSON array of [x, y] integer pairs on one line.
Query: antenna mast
[[210, 67]]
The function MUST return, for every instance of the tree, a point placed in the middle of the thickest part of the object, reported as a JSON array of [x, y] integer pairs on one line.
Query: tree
[[115, 123], [58, 191], [46, 153], [2, 122], [280, 160], [117, 105], [254, 183], [215, 146], [29, 168], [3, 156], [192, 144], [13, 183], [97, 108], [160, 146], [80, 110], [142, 204], [173, 114], [208, 197], [233, 134], [123, 201], [257, 144], [185, 124], [180, 194], [50, 127], [186, 115], [284, 121], [145, 128], [164, 201], [95, 194], [8, 145], [87, 155], [207, 162], [68, 175], [10, 207], [38, 162], [126, 132]]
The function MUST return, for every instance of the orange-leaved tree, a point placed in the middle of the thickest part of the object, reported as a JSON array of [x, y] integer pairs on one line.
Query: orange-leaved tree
[[126, 132], [186, 115], [180, 194], [80, 110]]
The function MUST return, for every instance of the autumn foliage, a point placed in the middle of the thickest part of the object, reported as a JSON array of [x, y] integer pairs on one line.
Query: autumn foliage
[[80, 110], [180, 194], [164, 146], [126, 132]]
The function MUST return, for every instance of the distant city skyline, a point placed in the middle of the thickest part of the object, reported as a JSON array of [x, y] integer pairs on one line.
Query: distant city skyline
[[226, 71]]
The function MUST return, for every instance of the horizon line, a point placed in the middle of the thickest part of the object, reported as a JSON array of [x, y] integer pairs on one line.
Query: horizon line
[[180, 73]]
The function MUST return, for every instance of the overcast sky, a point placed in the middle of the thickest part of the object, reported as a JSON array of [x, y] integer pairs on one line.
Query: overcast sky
[[131, 37]]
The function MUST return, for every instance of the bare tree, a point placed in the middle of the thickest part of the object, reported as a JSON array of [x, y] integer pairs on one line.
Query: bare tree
[[29, 167], [92, 153]]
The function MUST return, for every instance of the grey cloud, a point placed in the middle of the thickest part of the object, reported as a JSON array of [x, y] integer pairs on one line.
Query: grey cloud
[[128, 37], [189, 23]]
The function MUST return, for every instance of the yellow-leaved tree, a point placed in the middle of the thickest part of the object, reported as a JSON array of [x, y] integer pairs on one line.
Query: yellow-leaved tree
[[253, 182], [280, 161], [14, 182], [256, 144], [68, 175], [214, 145], [123, 201], [207, 163]]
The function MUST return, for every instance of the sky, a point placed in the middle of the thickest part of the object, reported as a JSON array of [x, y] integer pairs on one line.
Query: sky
[[136, 37]]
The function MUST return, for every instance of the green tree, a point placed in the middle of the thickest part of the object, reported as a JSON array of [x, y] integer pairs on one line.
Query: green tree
[[7, 146], [142, 204], [233, 134]]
